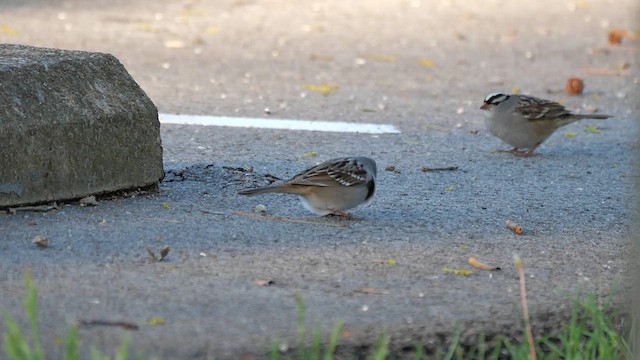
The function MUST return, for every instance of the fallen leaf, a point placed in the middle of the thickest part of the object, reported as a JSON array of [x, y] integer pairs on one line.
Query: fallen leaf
[[515, 90], [478, 265], [310, 154], [156, 321], [428, 63], [165, 205], [5, 30], [40, 241], [264, 282], [380, 58], [325, 89], [517, 229], [570, 135], [592, 130], [460, 272], [89, 200], [615, 36], [174, 44], [164, 252], [450, 188], [212, 30], [370, 291], [146, 27]]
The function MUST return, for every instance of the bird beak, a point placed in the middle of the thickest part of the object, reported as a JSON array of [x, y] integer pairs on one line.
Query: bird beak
[[484, 106]]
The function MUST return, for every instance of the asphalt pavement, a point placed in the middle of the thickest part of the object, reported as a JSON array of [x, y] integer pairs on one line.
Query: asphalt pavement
[[228, 283]]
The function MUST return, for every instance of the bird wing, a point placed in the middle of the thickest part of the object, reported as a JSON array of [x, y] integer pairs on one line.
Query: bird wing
[[336, 172], [539, 109]]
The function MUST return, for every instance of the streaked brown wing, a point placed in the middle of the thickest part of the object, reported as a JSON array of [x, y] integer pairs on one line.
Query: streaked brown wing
[[335, 172], [539, 109]]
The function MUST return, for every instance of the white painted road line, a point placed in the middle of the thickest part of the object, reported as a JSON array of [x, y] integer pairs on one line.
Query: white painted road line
[[306, 125]]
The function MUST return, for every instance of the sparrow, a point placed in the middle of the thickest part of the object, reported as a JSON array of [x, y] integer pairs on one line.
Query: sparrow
[[331, 187], [524, 122]]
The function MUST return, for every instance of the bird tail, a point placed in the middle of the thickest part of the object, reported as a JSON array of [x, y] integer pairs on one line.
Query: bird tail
[[591, 116], [263, 190]]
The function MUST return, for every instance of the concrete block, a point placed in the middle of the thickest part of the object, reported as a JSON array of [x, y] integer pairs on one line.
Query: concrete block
[[72, 124]]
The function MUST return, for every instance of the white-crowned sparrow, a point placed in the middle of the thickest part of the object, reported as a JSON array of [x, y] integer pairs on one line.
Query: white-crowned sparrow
[[524, 122], [332, 187]]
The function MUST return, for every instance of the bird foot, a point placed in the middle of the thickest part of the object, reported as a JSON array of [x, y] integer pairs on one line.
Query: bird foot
[[520, 153], [344, 215]]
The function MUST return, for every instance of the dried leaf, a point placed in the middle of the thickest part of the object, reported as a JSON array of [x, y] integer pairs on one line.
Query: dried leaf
[[324, 89], [165, 206], [460, 272], [450, 188], [380, 58], [40, 241], [89, 200], [164, 252], [310, 154], [264, 282], [515, 90], [174, 44], [370, 291], [517, 229], [570, 135], [427, 63], [212, 30], [615, 36], [478, 265]]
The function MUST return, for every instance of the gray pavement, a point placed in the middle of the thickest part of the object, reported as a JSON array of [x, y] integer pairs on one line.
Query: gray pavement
[[574, 200]]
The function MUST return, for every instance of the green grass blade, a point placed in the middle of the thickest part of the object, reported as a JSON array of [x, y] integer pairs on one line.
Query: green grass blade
[[72, 347], [333, 341], [382, 347], [15, 344], [454, 344]]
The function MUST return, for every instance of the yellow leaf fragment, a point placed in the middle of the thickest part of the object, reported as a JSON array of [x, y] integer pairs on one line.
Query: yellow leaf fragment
[[460, 272], [174, 44], [391, 262], [427, 63], [515, 90], [213, 30], [156, 321], [380, 58], [570, 135], [450, 188], [310, 154], [165, 205], [592, 130], [5, 30], [146, 27], [324, 89]]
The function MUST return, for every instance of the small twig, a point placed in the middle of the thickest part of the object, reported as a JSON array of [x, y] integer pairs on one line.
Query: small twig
[[205, 211], [42, 208], [431, 169], [525, 308], [123, 324], [166, 220], [267, 217]]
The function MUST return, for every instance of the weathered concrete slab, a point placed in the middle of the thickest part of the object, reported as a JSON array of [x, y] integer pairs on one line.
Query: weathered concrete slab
[[72, 123]]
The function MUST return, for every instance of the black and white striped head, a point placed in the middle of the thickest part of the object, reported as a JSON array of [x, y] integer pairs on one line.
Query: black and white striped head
[[493, 100]]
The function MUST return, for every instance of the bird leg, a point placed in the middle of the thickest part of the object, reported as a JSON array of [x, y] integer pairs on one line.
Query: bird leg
[[343, 215], [521, 153]]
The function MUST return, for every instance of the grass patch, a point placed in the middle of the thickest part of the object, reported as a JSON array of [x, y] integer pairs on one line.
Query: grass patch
[[589, 334]]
